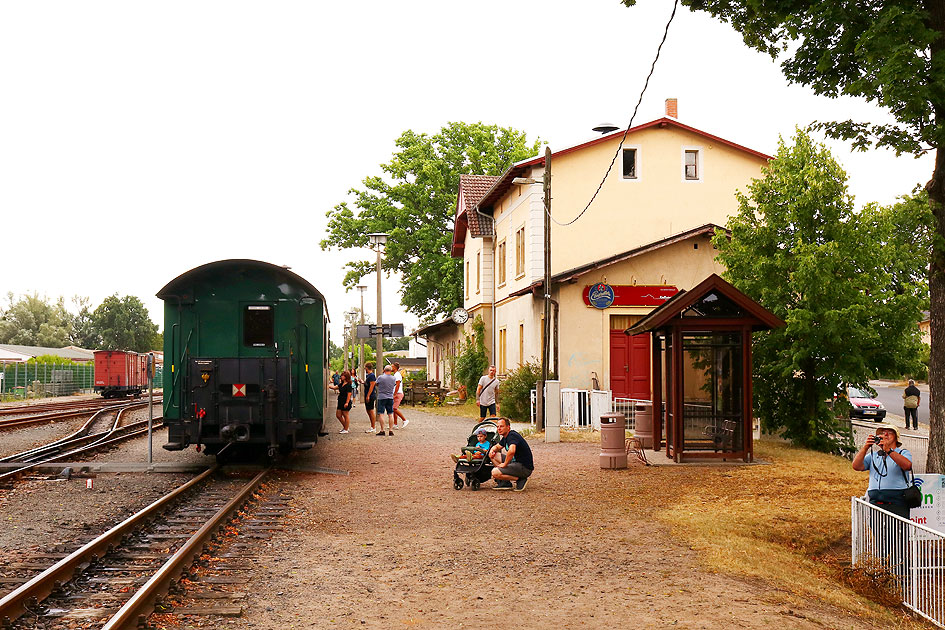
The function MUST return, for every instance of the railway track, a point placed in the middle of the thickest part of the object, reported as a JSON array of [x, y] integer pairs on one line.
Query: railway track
[[62, 414], [62, 405], [103, 430], [115, 580]]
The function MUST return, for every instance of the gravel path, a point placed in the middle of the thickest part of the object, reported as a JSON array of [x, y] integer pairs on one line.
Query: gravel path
[[392, 545]]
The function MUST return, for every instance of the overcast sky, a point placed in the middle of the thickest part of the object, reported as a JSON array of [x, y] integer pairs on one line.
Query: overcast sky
[[141, 139]]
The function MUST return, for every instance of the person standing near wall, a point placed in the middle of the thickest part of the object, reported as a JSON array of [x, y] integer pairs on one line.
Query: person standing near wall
[[911, 398]]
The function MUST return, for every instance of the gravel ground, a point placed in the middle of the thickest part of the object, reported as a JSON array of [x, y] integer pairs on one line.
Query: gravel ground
[[392, 544], [65, 511]]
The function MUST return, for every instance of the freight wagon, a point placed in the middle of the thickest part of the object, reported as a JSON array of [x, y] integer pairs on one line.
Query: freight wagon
[[245, 358], [120, 373]]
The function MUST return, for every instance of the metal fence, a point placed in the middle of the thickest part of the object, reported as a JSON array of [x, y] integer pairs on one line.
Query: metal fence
[[906, 556], [582, 408], [39, 380]]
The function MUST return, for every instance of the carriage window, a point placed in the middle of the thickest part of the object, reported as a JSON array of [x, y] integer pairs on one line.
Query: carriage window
[[258, 326]]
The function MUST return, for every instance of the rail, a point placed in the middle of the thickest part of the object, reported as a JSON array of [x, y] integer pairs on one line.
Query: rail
[[907, 556]]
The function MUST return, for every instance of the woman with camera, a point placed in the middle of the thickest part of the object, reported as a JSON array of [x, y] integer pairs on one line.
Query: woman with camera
[[887, 467]]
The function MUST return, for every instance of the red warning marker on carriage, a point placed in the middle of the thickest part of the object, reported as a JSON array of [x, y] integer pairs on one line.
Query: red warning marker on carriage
[[239, 389]]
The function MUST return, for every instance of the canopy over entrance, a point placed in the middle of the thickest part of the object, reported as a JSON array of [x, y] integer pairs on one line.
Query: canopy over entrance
[[702, 370]]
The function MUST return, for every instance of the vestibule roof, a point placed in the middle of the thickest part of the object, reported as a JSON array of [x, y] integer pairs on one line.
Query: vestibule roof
[[673, 309]]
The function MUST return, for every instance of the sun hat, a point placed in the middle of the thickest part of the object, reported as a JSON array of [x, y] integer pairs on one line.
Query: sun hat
[[894, 429]]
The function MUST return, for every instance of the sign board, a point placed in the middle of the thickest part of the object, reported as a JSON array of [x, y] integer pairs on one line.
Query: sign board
[[369, 331], [932, 511], [603, 295]]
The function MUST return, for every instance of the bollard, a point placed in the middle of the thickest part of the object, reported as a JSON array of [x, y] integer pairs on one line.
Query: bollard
[[613, 451]]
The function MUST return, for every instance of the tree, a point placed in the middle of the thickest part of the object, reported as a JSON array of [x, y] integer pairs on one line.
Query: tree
[[124, 324], [797, 247], [415, 203], [83, 333], [889, 52], [472, 361], [34, 321], [393, 345]]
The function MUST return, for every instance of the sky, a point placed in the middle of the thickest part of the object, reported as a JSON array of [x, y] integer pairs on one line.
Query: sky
[[139, 140]]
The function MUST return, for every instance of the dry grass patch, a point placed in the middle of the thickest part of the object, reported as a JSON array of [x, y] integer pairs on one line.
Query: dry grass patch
[[787, 522], [461, 410]]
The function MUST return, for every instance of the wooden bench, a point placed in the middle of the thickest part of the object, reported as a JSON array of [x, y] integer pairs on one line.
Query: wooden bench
[[423, 391]]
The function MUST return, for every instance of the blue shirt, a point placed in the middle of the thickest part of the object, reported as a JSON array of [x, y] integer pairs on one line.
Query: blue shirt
[[370, 378], [385, 386], [885, 474], [484, 445]]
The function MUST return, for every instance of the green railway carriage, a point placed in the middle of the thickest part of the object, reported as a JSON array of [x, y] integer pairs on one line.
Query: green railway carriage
[[245, 358]]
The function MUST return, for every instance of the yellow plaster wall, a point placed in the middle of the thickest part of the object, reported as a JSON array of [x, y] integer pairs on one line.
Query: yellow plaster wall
[[584, 332], [659, 203]]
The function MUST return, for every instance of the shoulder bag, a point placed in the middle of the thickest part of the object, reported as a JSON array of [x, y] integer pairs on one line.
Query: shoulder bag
[[912, 495]]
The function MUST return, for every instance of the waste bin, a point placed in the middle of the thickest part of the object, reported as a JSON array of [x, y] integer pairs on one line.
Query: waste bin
[[643, 423], [613, 452]]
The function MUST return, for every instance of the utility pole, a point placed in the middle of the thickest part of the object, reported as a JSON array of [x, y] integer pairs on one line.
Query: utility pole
[[378, 240], [362, 288], [546, 322]]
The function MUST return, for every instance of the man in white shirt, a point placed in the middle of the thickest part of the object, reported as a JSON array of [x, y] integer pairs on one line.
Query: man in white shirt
[[487, 394]]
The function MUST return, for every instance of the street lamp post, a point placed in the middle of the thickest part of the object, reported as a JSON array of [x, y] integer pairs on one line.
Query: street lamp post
[[378, 240], [546, 288], [362, 288]]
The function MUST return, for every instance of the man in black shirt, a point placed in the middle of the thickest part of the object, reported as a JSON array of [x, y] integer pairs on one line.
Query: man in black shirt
[[511, 457], [910, 404]]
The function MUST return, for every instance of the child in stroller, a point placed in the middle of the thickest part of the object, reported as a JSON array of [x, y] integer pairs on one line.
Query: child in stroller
[[474, 464], [476, 452]]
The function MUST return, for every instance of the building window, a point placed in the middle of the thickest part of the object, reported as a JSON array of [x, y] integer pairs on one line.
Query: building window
[[691, 165], [467, 280], [500, 255], [520, 252], [478, 269], [521, 344], [502, 364], [629, 163]]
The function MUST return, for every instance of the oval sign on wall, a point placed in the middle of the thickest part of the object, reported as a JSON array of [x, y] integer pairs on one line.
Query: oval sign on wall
[[600, 295]]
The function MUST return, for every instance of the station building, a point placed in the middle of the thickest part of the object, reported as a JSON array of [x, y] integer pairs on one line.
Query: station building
[[645, 237]]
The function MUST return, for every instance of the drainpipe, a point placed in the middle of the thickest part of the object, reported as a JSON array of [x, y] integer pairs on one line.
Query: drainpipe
[[493, 360]]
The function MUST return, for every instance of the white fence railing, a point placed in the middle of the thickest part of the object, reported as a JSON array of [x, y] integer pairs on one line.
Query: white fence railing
[[909, 555], [582, 408]]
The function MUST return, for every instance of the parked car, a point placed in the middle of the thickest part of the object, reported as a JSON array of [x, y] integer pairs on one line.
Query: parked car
[[864, 406]]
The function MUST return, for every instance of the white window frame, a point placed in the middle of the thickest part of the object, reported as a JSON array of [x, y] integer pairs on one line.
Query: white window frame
[[700, 168], [502, 262], [521, 274], [639, 174]]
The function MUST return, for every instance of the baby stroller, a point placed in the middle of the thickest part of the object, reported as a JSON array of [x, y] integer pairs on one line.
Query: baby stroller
[[479, 469]]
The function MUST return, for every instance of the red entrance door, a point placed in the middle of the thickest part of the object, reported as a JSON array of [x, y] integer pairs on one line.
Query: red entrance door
[[630, 365]]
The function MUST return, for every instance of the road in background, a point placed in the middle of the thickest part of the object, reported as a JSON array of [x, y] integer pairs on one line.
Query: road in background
[[891, 396]]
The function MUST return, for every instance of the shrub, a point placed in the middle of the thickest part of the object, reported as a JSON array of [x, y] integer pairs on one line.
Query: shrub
[[516, 391]]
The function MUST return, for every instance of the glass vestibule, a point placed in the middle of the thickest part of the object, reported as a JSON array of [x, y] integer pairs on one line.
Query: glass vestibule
[[712, 385]]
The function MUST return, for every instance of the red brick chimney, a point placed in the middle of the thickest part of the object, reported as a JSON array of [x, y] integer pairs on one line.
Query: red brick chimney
[[671, 110]]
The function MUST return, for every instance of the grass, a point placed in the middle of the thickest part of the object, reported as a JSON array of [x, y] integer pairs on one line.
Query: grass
[[787, 523], [468, 409]]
